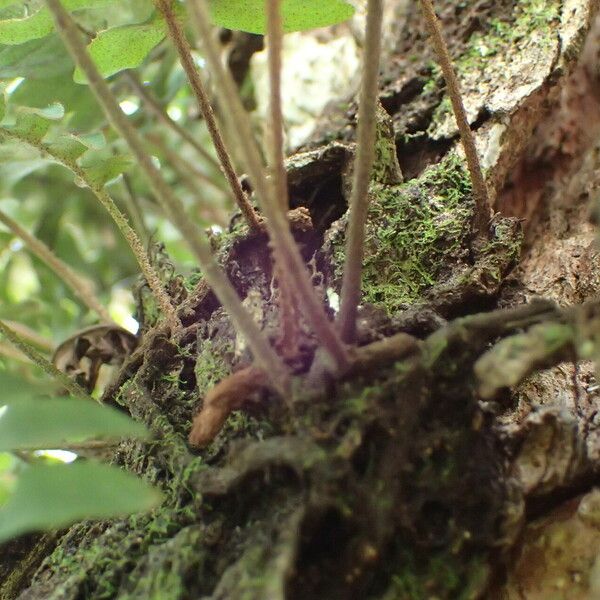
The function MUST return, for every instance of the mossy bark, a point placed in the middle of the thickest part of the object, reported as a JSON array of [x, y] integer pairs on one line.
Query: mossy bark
[[394, 484]]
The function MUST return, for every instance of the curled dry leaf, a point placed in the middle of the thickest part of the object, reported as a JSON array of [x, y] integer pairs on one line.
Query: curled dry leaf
[[82, 355], [226, 396]]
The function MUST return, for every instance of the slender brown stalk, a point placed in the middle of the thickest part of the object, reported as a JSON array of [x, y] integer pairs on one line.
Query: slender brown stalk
[[78, 284], [31, 353], [275, 122], [275, 152], [161, 114], [239, 129], [482, 207], [128, 233], [185, 56], [365, 154], [264, 355]]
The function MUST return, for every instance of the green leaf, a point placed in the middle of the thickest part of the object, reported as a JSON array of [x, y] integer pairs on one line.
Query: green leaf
[[99, 170], [38, 58], [68, 147], [39, 24], [33, 123], [54, 111], [16, 388], [83, 110], [18, 31], [15, 170], [298, 15], [93, 141], [50, 497], [41, 423], [122, 48], [7, 476]]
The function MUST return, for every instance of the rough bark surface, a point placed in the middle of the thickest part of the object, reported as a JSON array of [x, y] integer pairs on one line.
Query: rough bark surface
[[417, 478]]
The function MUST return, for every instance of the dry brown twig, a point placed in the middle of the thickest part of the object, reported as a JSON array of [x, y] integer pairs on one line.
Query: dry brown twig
[[234, 391]]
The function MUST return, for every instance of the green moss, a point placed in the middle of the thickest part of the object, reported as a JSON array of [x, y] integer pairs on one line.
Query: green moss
[[439, 575], [414, 229], [386, 169], [164, 573], [503, 250], [102, 561], [530, 18], [193, 280], [211, 366]]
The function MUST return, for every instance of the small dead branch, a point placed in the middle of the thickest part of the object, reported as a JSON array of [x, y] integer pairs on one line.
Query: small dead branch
[[232, 392], [384, 352]]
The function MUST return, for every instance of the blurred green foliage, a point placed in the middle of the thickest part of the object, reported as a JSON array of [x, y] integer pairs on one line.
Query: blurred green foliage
[[38, 491], [44, 197], [53, 496]]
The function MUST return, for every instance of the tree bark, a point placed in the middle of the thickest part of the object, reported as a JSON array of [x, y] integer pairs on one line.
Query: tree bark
[[401, 481]]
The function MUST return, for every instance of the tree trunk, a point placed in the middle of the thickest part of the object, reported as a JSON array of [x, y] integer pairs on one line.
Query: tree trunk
[[418, 477]]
